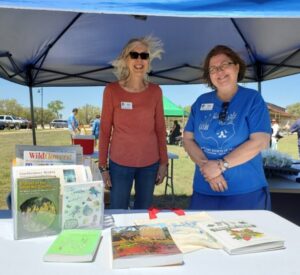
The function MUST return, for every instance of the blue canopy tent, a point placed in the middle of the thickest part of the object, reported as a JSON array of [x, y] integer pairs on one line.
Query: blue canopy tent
[[71, 43]]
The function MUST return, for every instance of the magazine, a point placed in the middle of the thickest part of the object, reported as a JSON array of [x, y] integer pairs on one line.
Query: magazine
[[74, 245], [186, 231], [83, 205], [143, 246], [239, 237]]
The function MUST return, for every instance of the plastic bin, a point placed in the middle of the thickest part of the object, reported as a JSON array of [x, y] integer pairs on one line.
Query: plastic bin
[[86, 142]]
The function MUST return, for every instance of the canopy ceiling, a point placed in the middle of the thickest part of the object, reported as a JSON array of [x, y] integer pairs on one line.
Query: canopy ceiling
[[71, 43]]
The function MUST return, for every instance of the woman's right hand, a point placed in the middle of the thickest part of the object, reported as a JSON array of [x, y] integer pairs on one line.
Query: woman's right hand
[[218, 184], [106, 179]]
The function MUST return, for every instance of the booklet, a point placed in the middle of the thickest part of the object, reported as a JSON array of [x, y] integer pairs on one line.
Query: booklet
[[143, 246], [74, 245], [83, 205], [239, 237]]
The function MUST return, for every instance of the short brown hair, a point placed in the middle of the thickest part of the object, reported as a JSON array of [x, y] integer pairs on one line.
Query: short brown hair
[[222, 49]]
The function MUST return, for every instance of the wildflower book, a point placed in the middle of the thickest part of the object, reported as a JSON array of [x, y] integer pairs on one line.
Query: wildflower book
[[143, 246], [240, 237]]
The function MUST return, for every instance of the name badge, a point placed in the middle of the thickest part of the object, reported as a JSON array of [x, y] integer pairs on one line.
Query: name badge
[[206, 107], [126, 105]]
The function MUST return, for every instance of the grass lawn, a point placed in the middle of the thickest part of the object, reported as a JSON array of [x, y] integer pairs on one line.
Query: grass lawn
[[183, 167]]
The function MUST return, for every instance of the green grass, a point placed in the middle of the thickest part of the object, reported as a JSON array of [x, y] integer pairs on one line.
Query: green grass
[[183, 167]]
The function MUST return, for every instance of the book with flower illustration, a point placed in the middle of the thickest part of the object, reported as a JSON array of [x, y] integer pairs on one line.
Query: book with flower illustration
[[239, 237], [83, 205], [144, 246]]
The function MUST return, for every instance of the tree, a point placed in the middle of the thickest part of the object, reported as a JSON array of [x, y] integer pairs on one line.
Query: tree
[[11, 107], [87, 112], [55, 106], [294, 109]]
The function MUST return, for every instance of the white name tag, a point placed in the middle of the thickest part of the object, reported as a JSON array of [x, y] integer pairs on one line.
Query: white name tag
[[126, 105], [206, 107]]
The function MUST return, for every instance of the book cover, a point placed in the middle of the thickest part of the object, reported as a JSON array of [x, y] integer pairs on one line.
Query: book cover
[[20, 150], [74, 245], [143, 246], [38, 207], [238, 237], [186, 231], [48, 158], [83, 205]]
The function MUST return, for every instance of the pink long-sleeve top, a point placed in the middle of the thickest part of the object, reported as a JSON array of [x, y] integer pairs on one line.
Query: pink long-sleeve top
[[132, 127]]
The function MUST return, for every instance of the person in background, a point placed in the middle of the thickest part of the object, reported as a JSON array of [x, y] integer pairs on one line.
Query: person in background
[[174, 133], [275, 131], [133, 128], [225, 133], [295, 128], [96, 128], [73, 125]]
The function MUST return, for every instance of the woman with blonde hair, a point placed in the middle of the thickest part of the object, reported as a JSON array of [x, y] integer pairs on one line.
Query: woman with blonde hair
[[132, 147]]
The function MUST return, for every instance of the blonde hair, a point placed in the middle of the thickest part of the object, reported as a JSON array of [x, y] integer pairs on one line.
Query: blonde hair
[[154, 47]]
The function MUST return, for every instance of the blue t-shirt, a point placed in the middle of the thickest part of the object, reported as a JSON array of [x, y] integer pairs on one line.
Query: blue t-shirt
[[96, 127], [72, 120], [247, 113]]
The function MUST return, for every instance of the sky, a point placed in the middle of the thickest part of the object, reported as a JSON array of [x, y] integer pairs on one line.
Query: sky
[[282, 92]]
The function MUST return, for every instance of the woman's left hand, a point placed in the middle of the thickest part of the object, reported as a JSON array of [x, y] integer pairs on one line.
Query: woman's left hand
[[210, 170], [161, 174]]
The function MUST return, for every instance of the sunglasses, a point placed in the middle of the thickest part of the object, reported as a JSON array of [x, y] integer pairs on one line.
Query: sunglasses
[[136, 55], [224, 111]]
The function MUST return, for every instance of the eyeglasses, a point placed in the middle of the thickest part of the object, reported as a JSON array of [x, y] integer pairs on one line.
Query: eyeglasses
[[136, 55], [222, 67], [223, 112]]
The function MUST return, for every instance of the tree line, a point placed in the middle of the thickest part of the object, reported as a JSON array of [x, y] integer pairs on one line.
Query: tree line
[[53, 111]]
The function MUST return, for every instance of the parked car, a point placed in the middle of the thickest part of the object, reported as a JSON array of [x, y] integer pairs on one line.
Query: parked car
[[10, 122], [59, 123], [22, 122], [2, 125]]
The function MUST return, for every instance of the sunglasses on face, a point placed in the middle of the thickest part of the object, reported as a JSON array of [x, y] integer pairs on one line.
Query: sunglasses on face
[[222, 67], [136, 55], [223, 112]]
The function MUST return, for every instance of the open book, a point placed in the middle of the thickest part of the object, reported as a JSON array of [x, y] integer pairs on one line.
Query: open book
[[143, 246], [186, 231], [239, 237]]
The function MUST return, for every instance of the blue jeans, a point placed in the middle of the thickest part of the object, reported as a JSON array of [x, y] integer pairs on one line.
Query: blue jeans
[[257, 200], [122, 178]]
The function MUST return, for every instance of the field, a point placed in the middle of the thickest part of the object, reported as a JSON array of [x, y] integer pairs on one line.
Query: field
[[183, 167]]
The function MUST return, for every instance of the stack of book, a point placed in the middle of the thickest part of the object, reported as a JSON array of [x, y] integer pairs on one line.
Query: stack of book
[[50, 194]]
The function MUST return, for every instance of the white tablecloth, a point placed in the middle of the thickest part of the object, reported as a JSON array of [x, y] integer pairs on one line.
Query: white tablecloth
[[25, 256]]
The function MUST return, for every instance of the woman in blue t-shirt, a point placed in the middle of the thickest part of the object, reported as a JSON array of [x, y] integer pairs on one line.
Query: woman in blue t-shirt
[[224, 135]]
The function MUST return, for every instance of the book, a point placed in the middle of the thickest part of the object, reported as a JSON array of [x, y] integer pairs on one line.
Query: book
[[37, 207], [186, 231], [21, 160], [144, 246], [240, 237], [74, 245], [83, 205], [48, 158]]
